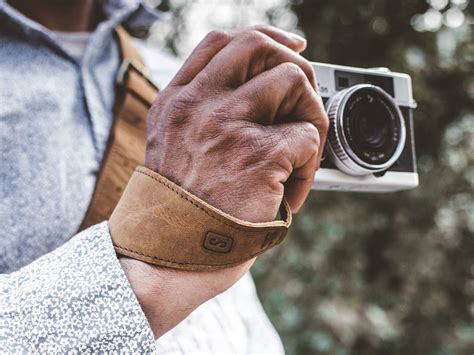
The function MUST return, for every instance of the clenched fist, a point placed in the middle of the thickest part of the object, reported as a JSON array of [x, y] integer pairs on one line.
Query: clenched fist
[[240, 126]]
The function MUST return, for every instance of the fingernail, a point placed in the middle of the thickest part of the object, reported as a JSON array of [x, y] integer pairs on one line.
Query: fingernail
[[297, 37]]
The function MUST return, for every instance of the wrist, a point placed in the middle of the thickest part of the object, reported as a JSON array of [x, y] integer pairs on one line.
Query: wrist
[[166, 296], [155, 289]]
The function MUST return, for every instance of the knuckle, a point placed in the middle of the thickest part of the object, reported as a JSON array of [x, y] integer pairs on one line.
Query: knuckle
[[313, 137], [159, 105], [310, 129], [216, 36], [178, 108], [264, 28], [294, 72], [308, 68], [256, 39], [324, 124], [284, 142], [184, 100]]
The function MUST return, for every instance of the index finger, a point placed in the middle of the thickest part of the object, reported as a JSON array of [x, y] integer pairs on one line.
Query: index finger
[[248, 55], [215, 41]]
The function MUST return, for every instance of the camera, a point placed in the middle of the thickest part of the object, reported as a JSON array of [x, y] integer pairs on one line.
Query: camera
[[370, 142]]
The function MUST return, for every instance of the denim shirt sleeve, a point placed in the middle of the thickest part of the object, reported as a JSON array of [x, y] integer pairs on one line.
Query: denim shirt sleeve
[[74, 299]]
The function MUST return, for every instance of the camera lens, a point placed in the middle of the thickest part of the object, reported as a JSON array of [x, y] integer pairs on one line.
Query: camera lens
[[370, 130], [367, 131], [371, 126]]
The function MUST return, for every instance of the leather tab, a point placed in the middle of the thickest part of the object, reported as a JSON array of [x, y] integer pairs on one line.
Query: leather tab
[[158, 222]]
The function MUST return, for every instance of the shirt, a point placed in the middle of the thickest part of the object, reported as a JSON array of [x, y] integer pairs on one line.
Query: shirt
[[59, 291]]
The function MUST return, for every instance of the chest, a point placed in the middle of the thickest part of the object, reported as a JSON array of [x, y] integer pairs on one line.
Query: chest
[[54, 122]]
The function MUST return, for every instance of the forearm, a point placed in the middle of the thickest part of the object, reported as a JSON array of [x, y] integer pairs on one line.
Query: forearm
[[234, 159]]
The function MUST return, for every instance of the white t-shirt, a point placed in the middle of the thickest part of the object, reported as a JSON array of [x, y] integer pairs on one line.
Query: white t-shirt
[[74, 43]]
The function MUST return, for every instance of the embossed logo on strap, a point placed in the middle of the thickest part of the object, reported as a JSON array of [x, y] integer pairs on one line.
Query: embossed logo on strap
[[218, 243]]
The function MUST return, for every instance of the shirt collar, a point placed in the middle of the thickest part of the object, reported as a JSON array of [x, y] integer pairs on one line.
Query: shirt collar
[[132, 13]]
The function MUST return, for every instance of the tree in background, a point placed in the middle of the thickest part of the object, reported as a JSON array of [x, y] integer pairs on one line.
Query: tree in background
[[368, 273]]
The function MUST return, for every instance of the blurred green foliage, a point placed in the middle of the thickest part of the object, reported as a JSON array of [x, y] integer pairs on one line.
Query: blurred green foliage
[[384, 273]]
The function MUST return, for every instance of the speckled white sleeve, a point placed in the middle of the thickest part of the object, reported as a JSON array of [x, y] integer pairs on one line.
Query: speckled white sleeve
[[75, 299]]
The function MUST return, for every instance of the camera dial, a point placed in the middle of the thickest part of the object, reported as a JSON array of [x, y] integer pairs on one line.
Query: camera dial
[[367, 131]]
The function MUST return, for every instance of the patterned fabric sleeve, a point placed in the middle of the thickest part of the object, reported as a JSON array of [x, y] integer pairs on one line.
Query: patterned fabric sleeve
[[76, 299]]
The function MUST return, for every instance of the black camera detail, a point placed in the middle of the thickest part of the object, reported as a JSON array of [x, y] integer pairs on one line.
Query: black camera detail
[[345, 79], [371, 126]]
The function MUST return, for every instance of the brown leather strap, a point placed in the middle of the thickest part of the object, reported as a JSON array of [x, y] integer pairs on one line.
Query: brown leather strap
[[127, 49], [126, 145], [160, 223]]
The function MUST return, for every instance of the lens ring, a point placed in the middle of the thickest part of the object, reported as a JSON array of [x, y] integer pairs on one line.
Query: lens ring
[[341, 145]]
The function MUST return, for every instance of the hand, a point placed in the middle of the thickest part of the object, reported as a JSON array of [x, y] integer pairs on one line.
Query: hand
[[240, 126]]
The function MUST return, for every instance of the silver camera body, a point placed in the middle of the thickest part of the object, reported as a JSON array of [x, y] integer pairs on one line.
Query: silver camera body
[[370, 144]]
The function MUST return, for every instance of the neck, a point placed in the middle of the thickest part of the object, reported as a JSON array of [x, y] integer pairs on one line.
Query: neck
[[61, 15]]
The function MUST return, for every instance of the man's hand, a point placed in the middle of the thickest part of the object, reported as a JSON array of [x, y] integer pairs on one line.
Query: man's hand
[[241, 127]]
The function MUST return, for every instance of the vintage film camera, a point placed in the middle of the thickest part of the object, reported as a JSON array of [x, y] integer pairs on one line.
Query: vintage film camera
[[370, 145]]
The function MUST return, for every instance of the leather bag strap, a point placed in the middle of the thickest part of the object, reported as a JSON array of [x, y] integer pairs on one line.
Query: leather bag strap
[[135, 92]]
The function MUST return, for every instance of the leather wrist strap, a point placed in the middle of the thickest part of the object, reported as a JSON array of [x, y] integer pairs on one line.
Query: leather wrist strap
[[158, 222]]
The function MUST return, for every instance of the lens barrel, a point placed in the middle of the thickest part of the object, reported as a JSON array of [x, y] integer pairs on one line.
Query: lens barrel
[[367, 131]]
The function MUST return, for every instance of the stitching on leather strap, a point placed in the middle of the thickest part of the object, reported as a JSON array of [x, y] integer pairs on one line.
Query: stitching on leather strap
[[266, 235], [218, 218], [240, 261]]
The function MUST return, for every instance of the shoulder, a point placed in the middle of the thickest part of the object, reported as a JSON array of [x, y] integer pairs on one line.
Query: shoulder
[[162, 64]]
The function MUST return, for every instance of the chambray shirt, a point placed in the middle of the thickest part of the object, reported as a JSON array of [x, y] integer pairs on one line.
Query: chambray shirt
[[59, 291]]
